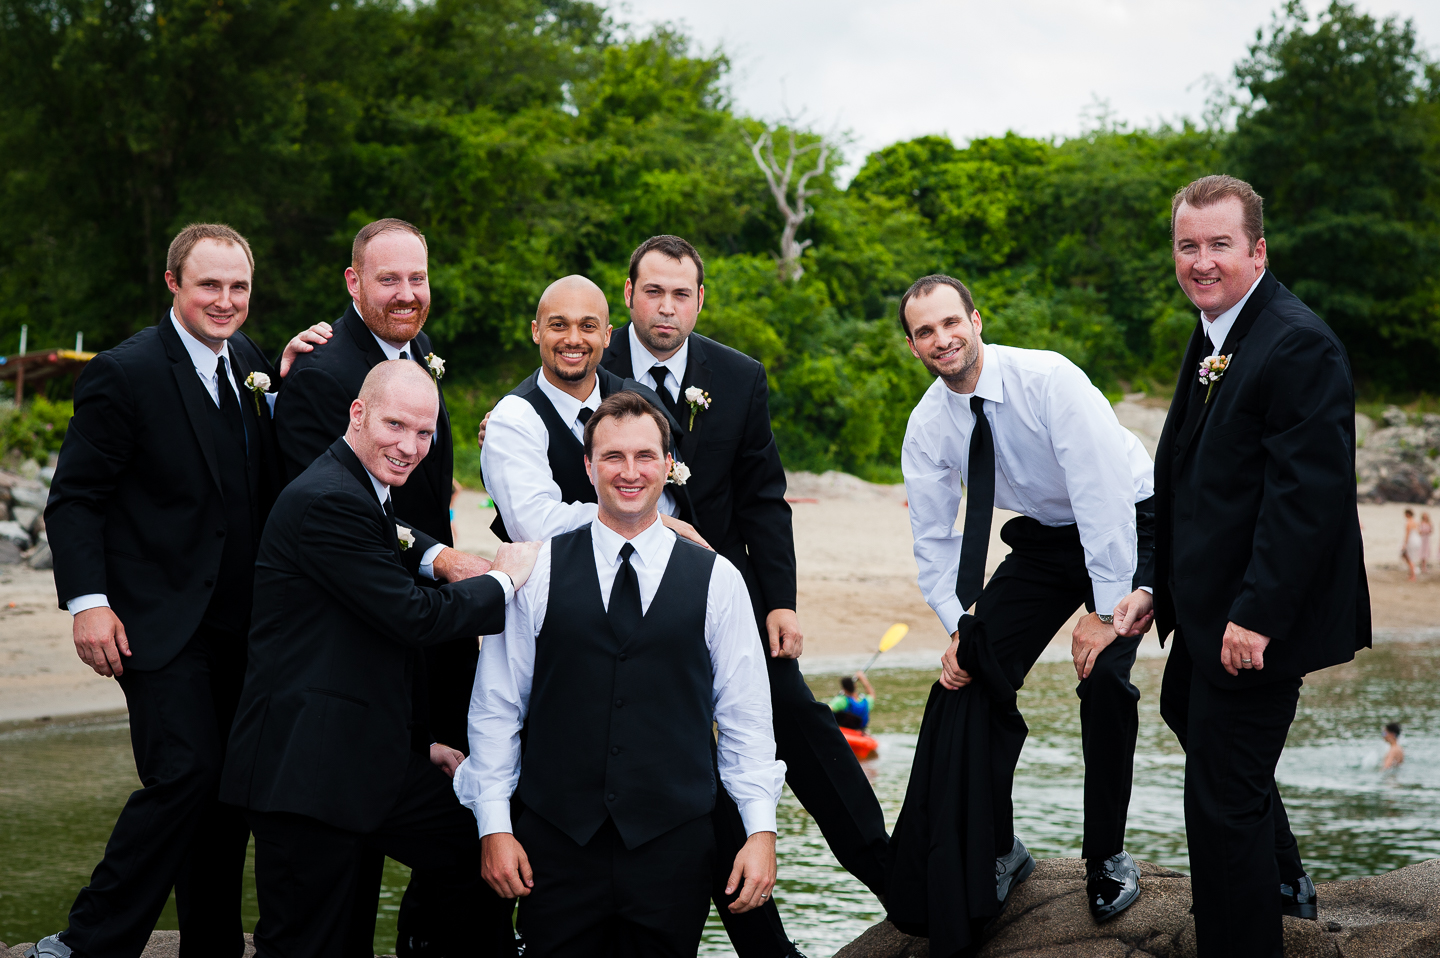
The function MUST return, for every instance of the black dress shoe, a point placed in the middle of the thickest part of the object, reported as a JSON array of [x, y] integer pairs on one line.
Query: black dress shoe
[[1113, 887], [1298, 900], [1011, 870]]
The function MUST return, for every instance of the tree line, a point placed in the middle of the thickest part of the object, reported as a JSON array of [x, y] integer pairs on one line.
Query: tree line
[[534, 138]]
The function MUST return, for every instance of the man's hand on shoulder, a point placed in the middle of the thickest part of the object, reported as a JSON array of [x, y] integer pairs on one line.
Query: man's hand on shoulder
[[1090, 638], [753, 874], [517, 560], [684, 529], [786, 639], [100, 640], [446, 758], [1242, 649], [505, 866], [304, 342], [452, 565]]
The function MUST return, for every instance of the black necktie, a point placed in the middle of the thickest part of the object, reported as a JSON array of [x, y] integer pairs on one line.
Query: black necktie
[[625, 613], [229, 405], [584, 415], [404, 354], [979, 508], [658, 372]]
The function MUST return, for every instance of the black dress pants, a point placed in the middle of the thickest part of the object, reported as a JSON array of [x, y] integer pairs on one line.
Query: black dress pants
[[825, 776], [1241, 845], [173, 832], [305, 872], [602, 899]]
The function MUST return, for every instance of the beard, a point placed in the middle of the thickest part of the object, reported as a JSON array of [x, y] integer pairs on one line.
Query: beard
[[387, 327], [658, 344], [955, 375], [572, 375]]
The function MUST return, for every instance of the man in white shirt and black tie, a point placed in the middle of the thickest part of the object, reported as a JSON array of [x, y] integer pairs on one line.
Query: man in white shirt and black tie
[[1022, 430], [618, 693]]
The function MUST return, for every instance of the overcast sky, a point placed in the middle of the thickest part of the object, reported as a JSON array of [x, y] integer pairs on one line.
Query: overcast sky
[[902, 68]]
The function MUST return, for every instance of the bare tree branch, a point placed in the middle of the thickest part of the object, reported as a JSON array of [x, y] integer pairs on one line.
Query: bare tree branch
[[779, 178]]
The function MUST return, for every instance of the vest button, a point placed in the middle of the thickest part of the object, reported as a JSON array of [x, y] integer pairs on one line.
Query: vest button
[[610, 797], [619, 703], [614, 750], [623, 656]]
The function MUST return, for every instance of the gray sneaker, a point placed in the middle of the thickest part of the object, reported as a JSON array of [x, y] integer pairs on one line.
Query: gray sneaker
[[49, 947], [1011, 870]]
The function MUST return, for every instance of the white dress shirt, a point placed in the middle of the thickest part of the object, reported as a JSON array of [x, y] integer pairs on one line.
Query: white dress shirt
[[1061, 457], [392, 352], [515, 461], [1217, 330], [500, 701], [642, 361]]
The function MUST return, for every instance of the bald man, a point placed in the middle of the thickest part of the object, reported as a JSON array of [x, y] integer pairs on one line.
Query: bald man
[[532, 457], [324, 755]]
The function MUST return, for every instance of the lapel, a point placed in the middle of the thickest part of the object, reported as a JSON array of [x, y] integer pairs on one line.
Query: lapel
[[697, 373], [362, 337], [341, 450], [1195, 424], [192, 393]]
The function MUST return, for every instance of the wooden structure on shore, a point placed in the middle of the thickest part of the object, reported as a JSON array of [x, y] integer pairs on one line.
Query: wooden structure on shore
[[41, 364]]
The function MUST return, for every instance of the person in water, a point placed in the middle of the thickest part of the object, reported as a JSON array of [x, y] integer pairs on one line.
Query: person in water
[[1396, 754], [852, 710]]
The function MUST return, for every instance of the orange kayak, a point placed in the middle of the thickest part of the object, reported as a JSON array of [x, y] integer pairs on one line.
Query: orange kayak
[[861, 744]]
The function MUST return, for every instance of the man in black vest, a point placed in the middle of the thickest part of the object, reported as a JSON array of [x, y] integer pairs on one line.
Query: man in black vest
[[164, 482], [531, 454], [650, 647], [325, 753], [1258, 567]]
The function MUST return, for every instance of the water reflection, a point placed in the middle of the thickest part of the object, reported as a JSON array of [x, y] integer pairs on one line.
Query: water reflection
[[61, 787]]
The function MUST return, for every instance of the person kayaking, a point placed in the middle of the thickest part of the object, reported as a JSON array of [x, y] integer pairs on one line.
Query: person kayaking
[[852, 710]]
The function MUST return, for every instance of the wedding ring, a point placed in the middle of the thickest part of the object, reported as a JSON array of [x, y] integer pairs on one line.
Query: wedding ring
[[1245, 661]]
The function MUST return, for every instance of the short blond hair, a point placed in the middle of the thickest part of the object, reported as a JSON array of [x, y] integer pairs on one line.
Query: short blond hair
[[185, 241], [371, 230]]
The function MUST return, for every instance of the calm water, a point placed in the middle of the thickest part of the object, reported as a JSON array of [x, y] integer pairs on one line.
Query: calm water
[[62, 785]]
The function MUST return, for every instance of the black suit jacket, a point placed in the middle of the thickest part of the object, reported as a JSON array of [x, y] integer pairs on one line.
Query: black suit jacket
[[324, 726], [313, 410], [736, 491], [1256, 521], [135, 509]]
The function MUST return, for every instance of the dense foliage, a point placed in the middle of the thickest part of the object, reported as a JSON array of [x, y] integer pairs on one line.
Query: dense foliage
[[532, 138]]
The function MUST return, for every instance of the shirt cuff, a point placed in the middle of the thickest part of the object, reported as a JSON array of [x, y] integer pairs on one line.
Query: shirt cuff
[[1109, 594], [493, 817], [950, 612], [506, 583], [93, 600], [757, 816], [1146, 588], [427, 561]]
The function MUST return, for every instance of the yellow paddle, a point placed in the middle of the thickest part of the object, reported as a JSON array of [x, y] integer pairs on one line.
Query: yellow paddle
[[888, 641]]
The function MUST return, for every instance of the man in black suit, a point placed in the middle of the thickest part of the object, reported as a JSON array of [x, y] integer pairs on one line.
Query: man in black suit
[[325, 752], [164, 482], [735, 497], [1258, 568]]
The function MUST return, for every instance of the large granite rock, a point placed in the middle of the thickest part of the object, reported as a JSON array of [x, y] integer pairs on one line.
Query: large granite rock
[[1401, 461], [1390, 916]]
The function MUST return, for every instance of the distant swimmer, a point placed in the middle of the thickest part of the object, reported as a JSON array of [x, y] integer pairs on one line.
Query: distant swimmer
[[1396, 754]]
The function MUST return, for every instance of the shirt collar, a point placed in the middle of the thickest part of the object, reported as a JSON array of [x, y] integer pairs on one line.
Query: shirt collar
[[565, 404], [382, 491], [647, 544], [390, 351], [991, 384], [200, 354], [642, 360], [1219, 329]]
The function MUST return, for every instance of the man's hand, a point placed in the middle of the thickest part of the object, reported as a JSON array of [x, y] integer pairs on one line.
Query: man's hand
[[100, 640], [682, 528], [755, 866], [786, 639], [303, 342], [447, 758], [516, 559], [480, 436], [452, 565], [1241, 649], [1135, 613], [1089, 639], [505, 866], [952, 676]]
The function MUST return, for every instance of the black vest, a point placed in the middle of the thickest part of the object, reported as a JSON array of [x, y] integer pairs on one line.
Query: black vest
[[238, 460], [621, 730]]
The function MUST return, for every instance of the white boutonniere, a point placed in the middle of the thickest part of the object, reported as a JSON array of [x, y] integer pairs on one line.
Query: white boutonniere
[[1211, 369], [698, 399], [679, 473], [406, 537], [259, 385], [436, 365]]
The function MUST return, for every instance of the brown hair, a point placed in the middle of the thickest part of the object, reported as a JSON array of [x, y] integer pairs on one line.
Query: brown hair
[[672, 246], [626, 405], [371, 230], [926, 285], [184, 243], [1209, 190]]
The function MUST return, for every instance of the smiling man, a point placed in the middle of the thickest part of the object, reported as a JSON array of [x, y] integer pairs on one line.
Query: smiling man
[[1258, 568], [325, 754], [1023, 430], [622, 653]]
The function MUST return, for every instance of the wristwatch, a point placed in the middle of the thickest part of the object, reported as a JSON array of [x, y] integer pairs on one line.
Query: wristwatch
[[1107, 619]]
